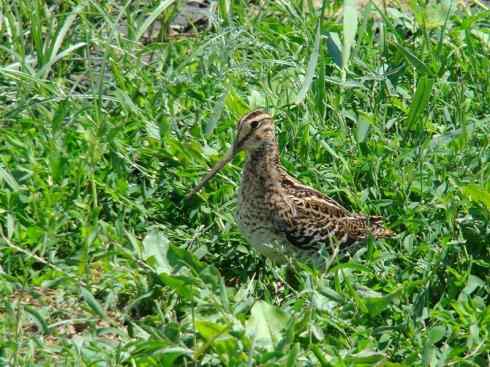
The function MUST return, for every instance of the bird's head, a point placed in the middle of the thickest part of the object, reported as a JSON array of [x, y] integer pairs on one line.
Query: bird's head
[[252, 131]]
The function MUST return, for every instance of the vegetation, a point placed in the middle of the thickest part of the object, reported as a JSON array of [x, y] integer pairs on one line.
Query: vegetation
[[105, 126]]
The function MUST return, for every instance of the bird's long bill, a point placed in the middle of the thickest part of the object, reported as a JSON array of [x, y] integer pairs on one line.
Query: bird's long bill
[[217, 167]]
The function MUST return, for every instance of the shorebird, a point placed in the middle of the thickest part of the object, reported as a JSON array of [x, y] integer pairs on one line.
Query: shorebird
[[277, 214]]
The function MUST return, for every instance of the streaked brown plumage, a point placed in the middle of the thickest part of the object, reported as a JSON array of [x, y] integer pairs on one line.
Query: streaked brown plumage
[[278, 214]]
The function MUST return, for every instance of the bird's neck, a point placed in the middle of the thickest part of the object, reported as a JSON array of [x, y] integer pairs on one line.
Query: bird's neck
[[264, 162]]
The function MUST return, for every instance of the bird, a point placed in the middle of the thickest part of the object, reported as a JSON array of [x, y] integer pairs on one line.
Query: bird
[[280, 216]]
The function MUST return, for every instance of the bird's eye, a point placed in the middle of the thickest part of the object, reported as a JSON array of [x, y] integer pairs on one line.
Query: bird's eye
[[254, 124]]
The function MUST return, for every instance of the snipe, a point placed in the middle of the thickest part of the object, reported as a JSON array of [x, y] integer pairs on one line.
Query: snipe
[[278, 214]]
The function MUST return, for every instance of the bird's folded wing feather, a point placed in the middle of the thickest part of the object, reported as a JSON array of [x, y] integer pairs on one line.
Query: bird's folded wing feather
[[309, 219]]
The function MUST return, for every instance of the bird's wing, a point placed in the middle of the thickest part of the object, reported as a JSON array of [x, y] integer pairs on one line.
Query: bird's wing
[[309, 219], [297, 190]]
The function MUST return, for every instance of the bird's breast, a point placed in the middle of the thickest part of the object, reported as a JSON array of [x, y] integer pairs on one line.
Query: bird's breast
[[253, 215]]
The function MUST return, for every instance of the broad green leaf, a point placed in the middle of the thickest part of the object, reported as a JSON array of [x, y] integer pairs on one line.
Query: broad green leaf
[[484, 37], [155, 248], [478, 194], [310, 71], [41, 321], [474, 338], [362, 127], [420, 100], [133, 241], [256, 99], [330, 293], [321, 302], [365, 357], [430, 16], [210, 330], [349, 30], [171, 354], [177, 257], [428, 355], [153, 130], [215, 115], [293, 355], [472, 284], [376, 302], [333, 47], [182, 285], [151, 348], [320, 355], [436, 334], [266, 324], [235, 104], [10, 225], [126, 102], [9, 179], [93, 303], [451, 135]]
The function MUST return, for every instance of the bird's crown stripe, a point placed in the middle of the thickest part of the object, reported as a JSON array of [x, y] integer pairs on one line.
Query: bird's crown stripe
[[256, 117]]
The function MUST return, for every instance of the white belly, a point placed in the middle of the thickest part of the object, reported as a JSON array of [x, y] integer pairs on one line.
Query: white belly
[[261, 236]]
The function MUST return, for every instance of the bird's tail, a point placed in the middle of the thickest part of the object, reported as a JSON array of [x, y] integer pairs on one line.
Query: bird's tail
[[378, 229]]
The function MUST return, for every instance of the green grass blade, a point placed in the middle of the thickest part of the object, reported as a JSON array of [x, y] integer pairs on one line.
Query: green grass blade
[[413, 59], [37, 39], [46, 68], [53, 52], [310, 71], [94, 305], [349, 31], [420, 100], [151, 18], [443, 31]]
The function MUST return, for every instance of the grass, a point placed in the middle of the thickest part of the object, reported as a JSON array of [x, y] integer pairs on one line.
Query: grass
[[104, 129]]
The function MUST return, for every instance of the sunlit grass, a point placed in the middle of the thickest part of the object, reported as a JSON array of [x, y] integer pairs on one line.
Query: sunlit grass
[[103, 130]]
